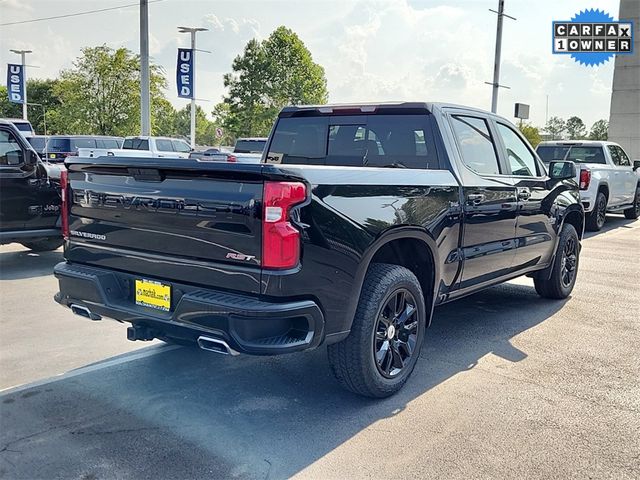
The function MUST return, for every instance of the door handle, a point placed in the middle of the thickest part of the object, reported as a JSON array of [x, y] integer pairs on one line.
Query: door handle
[[475, 198], [524, 194]]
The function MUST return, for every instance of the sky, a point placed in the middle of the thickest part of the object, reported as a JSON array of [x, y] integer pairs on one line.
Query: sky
[[371, 50]]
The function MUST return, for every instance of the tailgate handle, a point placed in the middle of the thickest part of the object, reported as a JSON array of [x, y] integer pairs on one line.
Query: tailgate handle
[[146, 174]]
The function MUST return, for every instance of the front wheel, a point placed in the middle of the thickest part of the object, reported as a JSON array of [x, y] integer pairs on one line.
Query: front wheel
[[379, 354], [595, 220], [564, 270], [44, 244], [634, 212]]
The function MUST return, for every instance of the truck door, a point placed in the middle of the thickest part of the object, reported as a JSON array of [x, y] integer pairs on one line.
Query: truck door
[[27, 199], [489, 204], [14, 182], [625, 180], [536, 212]]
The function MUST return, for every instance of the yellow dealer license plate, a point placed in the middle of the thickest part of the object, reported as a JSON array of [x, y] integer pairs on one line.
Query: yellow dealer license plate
[[153, 294]]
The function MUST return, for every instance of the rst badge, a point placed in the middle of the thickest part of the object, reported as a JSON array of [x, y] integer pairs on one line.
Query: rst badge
[[592, 37]]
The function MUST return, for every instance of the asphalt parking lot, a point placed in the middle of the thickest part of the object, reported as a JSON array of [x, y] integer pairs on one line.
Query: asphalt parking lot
[[508, 386]]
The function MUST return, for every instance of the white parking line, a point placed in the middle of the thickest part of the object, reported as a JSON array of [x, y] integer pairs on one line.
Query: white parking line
[[124, 358]]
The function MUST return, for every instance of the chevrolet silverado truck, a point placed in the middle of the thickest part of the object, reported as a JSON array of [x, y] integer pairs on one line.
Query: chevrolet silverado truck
[[29, 194], [357, 223], [608, 180]]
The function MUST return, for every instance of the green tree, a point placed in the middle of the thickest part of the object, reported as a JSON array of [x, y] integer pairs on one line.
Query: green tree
[[599, 130], [269, 75], [555, 127], [531, 133], [101, 93], [183, 124], [41, 93], [576, 128]]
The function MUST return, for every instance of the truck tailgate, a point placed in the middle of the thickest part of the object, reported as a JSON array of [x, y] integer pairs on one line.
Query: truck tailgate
[[176, 211]]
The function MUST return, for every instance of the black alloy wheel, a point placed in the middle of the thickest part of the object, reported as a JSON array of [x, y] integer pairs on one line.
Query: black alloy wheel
[[569, 261], [396, 333]]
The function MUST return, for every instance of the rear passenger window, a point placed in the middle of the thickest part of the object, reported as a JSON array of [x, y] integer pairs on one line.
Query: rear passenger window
[[476, 145], [521, 160]]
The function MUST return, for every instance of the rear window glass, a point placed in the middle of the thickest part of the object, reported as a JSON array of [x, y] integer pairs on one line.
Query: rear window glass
[[135, 144], [37, 143], [577, 154], [403, 141], [250, 146], [23, 126], [59, 145]]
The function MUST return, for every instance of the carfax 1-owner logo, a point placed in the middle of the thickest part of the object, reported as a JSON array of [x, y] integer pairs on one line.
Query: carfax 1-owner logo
[[592, 37]]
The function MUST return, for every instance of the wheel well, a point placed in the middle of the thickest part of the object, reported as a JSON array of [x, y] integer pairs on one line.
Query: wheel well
[[415, 255], [577, 220], [605, 189]]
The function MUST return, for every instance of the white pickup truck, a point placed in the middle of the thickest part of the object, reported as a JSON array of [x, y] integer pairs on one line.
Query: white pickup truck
[[609, 181], [156, 147]]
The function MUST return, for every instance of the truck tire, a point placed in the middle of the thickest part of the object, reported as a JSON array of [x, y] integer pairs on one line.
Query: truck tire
[[564, 270], [595, 220], [634, 212], [44, 244], [388, 329]]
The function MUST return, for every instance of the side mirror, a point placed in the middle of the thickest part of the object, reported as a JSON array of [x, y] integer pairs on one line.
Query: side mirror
[[32, 158], [15, 157], [562, 170], [636, 165]]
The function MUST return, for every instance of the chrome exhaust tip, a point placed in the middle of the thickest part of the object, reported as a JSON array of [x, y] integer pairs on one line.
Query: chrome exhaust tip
[[83, 311], [215, 345]]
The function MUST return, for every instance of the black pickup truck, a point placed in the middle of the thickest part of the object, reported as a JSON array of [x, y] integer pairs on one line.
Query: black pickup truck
[[29, 194], [359, 220]]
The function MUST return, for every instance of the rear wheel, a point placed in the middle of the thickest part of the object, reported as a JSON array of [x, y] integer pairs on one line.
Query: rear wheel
[[634, 212], [381, 351], [44, 244], [595, 220], [564, 269]]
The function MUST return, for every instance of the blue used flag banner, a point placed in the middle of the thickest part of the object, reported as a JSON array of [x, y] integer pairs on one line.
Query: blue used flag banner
[[184, 73], [15, 85]]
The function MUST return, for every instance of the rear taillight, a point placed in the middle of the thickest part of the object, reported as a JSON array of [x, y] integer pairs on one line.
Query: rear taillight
[[280, 239], [64, 206], [585, 179], [232, 158]]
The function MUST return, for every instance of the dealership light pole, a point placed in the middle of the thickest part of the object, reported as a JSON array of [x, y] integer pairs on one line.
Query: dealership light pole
[[145, 96], [193, 31], [496, 62], [22, 54]]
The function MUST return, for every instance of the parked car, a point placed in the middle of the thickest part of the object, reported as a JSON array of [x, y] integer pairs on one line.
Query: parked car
[[361, 221], [29, 197], [39, 144], [246, 150], [24, 126], [60, 147], [157, 147], [205, 153], [609, 181]]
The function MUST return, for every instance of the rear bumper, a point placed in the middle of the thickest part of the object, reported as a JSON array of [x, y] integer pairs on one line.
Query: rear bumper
[[18, 235], [247, 324]]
